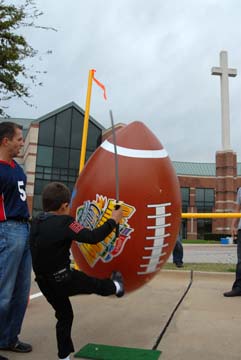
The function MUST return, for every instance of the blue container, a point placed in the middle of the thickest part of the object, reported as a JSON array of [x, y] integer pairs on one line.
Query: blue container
[[224, 241]]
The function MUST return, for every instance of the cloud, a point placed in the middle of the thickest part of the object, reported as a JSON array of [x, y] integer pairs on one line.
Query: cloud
[[155, 59]]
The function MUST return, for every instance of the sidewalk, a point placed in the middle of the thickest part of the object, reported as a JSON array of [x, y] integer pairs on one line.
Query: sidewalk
[[199, 253], [206, 326]]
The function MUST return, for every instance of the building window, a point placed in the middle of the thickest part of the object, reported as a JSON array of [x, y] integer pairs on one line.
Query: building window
[[44, 156], [204, 228], [76, 129], [74, 158], [205, 203], [61, 158], [185, 194], [62, 131], [204, 200], [46, 132]]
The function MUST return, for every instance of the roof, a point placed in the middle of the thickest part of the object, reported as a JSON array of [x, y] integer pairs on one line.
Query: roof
[[198, 169], [195, 169], [65, 107], [21, 121], [26, 122]]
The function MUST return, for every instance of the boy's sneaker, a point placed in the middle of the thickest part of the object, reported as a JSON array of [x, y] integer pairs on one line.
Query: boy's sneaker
[[117, 277]]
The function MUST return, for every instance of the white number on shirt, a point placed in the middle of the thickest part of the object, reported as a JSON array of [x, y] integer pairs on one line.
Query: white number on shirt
[[21, 190]]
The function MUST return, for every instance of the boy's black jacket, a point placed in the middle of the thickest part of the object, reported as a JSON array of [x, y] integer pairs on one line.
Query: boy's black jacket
[[51, 237]]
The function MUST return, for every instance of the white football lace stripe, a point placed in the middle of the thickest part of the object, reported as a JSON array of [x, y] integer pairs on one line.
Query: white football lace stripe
[[157, 246], [135, 153]]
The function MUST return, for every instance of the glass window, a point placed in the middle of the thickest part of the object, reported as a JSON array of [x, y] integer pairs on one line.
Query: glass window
[[37, 204], [63, 178], [77, 128], [209, 195], [39, 185], [205, 200], [47, 177], [39, 168], [185, 198], [56, 171], [199, 195], [94, 137], [47, 170], [46, 132], [74, 159], [62, 131], [204, 228], [61, 157], [39, 172], [44, 156]]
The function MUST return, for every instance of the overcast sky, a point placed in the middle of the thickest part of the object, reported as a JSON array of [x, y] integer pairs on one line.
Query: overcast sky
[[155, 59]]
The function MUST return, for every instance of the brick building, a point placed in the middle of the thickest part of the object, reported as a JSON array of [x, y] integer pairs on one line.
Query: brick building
[[209, 187]]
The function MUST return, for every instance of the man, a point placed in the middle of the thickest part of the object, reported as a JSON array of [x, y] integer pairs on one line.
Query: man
[[15, 258], [177, 253], [236, 231]]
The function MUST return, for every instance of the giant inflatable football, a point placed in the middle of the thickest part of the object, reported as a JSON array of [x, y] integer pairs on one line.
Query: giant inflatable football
[[150, 193]]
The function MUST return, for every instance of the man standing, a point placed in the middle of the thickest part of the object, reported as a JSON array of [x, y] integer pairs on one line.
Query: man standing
[[177, 253], [15, 258], [236, 231]]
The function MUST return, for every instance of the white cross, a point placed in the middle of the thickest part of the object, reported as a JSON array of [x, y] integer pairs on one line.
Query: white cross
[[224, 72]]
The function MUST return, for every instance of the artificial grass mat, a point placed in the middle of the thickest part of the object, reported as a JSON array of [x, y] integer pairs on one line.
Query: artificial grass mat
[[106, 352]]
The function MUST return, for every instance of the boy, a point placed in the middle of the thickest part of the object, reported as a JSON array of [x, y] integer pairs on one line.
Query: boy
[[51, 235]]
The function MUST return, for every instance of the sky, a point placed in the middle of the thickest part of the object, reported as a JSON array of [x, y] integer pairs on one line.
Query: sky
[[155, 59]]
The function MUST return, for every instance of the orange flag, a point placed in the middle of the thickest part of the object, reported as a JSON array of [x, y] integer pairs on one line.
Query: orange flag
[[99, 84]]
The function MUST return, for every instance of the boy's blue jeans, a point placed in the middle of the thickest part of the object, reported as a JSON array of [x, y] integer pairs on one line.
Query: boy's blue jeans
[[15, 275]]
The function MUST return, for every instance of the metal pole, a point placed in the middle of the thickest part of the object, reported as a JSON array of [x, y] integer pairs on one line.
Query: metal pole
[[117, 190], [210, 215], [86, 122]]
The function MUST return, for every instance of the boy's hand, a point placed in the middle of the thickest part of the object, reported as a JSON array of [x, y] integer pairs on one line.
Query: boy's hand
[[117, 214]]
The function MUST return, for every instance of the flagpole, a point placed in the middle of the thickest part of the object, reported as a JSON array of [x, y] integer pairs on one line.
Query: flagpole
[[86, 121]]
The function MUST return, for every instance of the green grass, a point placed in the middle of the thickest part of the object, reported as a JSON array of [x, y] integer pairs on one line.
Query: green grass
[[202, 267], [198, 241]]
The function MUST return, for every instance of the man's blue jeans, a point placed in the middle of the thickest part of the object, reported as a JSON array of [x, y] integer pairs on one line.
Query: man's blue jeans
[[237, 282], [15, 275], [178, 252]]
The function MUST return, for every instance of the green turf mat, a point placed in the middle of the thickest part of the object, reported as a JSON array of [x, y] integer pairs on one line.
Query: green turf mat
[[106, 352]]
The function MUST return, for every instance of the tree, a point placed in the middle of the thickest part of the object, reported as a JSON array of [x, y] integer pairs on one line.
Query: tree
[[14, 50]]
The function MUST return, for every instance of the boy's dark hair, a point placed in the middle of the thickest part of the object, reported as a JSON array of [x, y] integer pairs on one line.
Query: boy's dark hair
[[8, 129], [54, 195]]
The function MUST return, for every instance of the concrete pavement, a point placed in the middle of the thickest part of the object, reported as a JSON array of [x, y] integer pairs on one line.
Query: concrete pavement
[[222, 254], [206, 325]]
